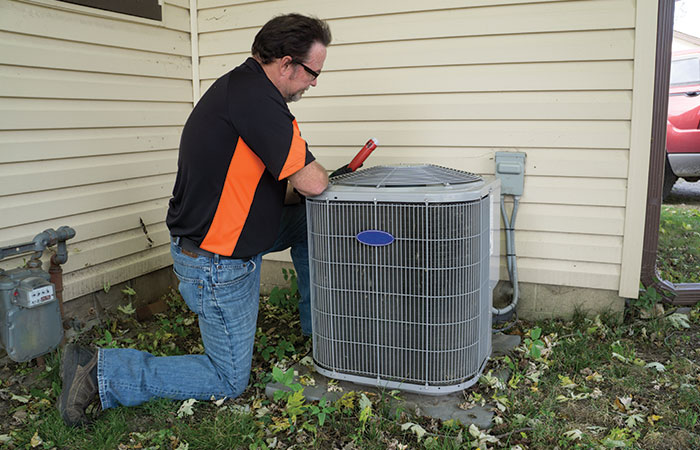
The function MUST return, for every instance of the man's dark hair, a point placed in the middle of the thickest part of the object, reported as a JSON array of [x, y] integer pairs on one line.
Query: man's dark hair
[[290, 34]]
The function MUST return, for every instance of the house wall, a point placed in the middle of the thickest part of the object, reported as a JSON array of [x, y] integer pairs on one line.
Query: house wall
[[682, 41], [92, 104], [452, 82]]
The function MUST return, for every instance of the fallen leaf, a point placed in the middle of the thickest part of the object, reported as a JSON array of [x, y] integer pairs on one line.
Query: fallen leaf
[[679, 320], [240, 409], [36, 440], [21, 398], [466, 405], [307, 380], [595, 376], [627, 401], [574, 435], [218, 402], [415, 429], [502, 402], [653, 418], [492, 381], [562, 399], [20, 415], [306, 361], [365, 402], [656, 365], [638, 362], [481, 438], [333, 386], [619, 405], [566, 382], [620, 357], [186, 408], [614, 443], [633, 420]]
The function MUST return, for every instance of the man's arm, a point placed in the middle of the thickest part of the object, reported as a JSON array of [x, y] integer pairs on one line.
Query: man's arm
[[310, 180]]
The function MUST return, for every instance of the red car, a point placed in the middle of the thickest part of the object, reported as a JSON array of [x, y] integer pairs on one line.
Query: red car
[[683, 125]]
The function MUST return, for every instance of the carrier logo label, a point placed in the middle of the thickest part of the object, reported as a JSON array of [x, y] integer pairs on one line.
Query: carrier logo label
[[375, 238]]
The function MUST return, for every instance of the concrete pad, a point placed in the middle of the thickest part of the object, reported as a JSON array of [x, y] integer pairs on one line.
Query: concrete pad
[[503, 344], [684, 310], [443, 407]]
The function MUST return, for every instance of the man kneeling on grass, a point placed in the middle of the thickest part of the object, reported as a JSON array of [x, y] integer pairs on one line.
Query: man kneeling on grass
[[240, 151]]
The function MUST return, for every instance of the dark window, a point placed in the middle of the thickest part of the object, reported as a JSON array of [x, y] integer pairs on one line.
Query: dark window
[[149, 9]]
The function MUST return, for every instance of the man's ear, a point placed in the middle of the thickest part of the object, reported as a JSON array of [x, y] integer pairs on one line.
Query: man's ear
[[286, 67]]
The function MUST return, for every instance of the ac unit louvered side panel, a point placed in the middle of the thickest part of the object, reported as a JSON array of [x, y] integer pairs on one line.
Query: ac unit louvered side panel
[[415, 313]]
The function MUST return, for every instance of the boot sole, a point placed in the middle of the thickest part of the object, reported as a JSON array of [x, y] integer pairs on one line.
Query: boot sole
[[69, 364]]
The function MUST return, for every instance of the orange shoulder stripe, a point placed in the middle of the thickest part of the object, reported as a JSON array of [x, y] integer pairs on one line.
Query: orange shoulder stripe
[[297, 154], [242, 178]]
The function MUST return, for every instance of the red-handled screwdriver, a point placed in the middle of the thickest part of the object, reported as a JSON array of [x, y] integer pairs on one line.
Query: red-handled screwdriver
[[357, 161]]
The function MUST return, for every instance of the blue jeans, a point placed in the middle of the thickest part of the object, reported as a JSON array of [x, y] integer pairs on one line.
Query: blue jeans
[[293, 234], [224, 294]]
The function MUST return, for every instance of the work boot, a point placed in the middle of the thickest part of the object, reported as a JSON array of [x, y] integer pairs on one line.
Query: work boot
[[79, 376]]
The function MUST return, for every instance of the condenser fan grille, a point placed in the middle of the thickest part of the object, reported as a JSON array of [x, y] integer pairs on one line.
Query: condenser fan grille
[[406, 176]]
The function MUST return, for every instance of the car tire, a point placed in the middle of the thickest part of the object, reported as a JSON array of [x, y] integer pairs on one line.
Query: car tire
[[669, 180]]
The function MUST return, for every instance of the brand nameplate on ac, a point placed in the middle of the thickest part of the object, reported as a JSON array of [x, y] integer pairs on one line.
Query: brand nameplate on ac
[[375, 238]]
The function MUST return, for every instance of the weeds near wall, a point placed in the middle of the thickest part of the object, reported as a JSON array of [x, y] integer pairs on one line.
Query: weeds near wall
[[678, 257]]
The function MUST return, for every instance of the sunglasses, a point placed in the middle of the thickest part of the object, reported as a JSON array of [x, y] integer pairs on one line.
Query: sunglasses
[[311, 72]]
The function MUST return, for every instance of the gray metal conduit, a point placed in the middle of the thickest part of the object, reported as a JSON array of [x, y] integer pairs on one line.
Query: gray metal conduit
[[510, 256]]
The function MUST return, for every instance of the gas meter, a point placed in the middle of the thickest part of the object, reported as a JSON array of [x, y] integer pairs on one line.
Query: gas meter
[[30, 312]]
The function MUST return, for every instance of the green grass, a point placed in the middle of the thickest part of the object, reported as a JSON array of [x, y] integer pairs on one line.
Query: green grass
[[572, 393], [678, 257]]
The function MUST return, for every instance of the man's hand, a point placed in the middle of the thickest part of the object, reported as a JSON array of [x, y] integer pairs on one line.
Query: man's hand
[[340, 171]]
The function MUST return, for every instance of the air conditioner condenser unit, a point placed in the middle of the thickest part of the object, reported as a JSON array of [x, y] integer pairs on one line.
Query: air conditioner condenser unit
[[404, 260]]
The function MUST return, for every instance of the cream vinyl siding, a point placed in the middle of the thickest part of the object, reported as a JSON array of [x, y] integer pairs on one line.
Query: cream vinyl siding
[[92, 106], [452, 82], [91, 110]]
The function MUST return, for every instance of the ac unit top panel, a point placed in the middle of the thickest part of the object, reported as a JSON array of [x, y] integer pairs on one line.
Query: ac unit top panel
[[406, 176], [425, 183]]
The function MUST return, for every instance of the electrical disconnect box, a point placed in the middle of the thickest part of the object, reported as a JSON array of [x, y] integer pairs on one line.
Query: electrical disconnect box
[[510, 169], [30, 314]]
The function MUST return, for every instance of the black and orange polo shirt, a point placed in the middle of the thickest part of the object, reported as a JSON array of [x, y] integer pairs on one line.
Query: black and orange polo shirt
[[238, 146]]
